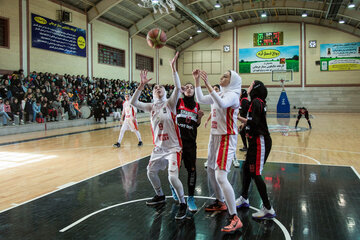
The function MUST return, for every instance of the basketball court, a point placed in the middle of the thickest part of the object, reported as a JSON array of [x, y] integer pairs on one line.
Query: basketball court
[[75, 185], [65, 180]]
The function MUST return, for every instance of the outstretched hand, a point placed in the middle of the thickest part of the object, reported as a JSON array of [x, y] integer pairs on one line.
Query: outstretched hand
[[196, 76], [143, 78], [173, 62], [204, 77]]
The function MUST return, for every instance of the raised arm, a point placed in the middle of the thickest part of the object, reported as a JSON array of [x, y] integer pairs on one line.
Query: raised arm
[[229, 100], [135, 98], [198, 93], [176, 93]]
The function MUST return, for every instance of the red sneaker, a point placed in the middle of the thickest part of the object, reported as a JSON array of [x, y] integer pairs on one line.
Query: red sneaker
[[235, 224], [216, 206]]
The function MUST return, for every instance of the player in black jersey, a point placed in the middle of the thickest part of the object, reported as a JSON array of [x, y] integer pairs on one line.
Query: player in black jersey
[[188, 119], [305, 112], [259, 149], [244, 107]]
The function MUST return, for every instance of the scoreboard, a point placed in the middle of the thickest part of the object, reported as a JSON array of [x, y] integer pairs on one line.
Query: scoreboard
[[268, 39]]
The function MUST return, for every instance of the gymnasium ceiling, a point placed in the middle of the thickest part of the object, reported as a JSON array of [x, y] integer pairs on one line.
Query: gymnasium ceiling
[[181, 28]]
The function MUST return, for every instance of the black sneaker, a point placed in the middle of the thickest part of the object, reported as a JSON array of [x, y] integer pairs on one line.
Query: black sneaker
[[156, 200], [181, 214], [140, 143], [244, 149], [117, 145]]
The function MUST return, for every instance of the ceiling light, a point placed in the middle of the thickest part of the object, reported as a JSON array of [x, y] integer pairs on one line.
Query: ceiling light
[[229, 19], [198, 31], [217, 5], [341, 21], [263, 14], [351, 4], [154, 1], [304, 14]]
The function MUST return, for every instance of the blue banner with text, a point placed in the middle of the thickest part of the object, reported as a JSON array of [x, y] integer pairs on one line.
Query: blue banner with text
[[55, 36]]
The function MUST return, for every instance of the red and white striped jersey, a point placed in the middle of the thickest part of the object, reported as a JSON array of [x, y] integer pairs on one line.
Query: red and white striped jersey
[[130, 111], [166, 134], [223, 120]]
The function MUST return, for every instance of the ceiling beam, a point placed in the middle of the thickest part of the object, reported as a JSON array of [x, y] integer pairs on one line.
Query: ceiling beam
[[101, 8], [195, 19]]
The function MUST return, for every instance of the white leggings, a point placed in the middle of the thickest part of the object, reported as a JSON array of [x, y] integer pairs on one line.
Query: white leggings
[[222, 188], [173, 175], [123, 129]]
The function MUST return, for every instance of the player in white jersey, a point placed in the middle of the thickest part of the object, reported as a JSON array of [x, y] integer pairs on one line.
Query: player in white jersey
[[129, 121], [223, 140], [166, 138]]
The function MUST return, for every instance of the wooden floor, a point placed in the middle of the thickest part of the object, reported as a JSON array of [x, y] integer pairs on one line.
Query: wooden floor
[[29, 169]]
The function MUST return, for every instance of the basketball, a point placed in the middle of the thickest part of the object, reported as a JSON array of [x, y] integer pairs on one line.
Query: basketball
[[156, 38]]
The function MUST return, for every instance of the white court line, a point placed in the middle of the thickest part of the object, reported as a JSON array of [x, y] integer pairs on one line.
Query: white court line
[[319, 149], [73, 184], [355, 172], [282, 227], [301, 155]]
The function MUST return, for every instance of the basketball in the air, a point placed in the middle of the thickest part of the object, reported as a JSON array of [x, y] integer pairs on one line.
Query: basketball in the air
[[156, 38]]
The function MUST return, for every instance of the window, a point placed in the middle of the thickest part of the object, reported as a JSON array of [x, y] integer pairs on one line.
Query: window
[[143, 62], [111, 56], [4, 32]]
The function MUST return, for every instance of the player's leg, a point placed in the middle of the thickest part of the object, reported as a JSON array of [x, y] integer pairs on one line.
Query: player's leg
[[263, 149], [225, 154], [308, 119], [174, 160], [137, 132], [243, 138], [123, 129], [189, 160], [153, 169], [213, 148], [297, 121]]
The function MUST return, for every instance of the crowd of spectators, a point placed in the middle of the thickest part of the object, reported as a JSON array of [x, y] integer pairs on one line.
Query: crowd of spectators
[[41, 97]]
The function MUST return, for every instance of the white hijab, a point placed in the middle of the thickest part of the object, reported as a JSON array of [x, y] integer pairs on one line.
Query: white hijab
[[158, 101], [234, 85]]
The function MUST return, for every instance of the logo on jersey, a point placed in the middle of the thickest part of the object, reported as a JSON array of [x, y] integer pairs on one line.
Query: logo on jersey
[[163, 137], [195, 109], [161, 126], [164, 110], [214, 124], [214, 112]]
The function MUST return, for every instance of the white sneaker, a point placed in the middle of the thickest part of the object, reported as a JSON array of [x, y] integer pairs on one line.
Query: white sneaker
[[205, 164], [264, 213], [242, 202]]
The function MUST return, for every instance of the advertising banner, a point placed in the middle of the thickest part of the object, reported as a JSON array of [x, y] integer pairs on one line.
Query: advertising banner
[[261, 60], [55, 36], [340, 56]]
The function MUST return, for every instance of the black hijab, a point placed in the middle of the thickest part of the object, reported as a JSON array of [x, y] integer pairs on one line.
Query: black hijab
[[189, 101], [258, 91]]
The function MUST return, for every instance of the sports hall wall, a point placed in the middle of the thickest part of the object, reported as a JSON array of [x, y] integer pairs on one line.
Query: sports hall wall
[[49, 61], [10, 57], [207, 54], [101, 33], [191, 57]]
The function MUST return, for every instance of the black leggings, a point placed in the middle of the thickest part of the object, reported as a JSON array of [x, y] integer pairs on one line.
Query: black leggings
[[189, 160], [253, 166]]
